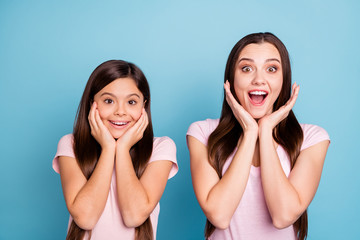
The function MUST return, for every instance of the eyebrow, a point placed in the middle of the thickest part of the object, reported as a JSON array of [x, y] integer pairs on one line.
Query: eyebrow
[[251, 60], [272, 59], [113, 95]]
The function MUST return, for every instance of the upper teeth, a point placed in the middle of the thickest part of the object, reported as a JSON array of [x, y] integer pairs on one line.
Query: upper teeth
[[119, 123], [258, 92]]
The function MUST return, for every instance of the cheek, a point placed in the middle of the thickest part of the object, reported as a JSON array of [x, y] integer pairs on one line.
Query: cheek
[[240, 90], [241, 81], [241, 95], [104, 111], [278, 87], [136, 113], [276, 83]]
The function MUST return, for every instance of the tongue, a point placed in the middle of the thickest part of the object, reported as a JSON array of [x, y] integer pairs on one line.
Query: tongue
[[257, 99]]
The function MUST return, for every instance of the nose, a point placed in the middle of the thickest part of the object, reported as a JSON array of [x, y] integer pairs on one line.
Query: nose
[[120, 109], [258, 79]]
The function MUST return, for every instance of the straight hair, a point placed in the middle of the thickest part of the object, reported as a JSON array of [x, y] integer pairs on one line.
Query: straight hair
[[87, 150], [287, 133]]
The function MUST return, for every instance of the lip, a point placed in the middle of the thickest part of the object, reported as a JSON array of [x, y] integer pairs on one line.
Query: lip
[[123, 125], [265, 93]]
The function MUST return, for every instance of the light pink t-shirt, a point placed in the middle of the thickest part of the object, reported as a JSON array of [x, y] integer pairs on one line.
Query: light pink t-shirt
[[110, 224], [251, 220]]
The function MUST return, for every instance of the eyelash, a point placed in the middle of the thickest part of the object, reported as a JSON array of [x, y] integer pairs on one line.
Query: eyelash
[[108, 101], [245, 67], [273, 67]]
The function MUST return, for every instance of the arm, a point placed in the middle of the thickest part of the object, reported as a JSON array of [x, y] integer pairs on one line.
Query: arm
[[86, 199], [138, 197], [219, 198], [288, 198]]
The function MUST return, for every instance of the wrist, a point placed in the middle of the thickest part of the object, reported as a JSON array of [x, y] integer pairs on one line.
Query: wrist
[[108, 146], [108, 151], [249, 136], [251, 133], [122, 148], [265, 132]]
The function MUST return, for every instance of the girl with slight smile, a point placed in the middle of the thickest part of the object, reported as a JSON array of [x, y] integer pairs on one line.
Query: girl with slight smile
[[256, 169], [113, 170]]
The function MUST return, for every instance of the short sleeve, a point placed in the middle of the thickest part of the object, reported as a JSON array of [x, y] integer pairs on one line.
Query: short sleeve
[[201, 130], [164, 148], [65, 148], [312, 135]]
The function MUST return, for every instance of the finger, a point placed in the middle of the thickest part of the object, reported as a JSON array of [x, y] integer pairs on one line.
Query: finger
[[291, 102], [142, 125], [135, 128], [233, 103], [295, 94], [91, 117], [145, 122], [229, 96], [296, 90], [98, 120]]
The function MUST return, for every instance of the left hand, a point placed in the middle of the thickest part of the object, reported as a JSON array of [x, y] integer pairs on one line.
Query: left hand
[[134, 133], [270, 121]]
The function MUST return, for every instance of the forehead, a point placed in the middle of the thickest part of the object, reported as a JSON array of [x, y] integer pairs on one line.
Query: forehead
[[261, 51], [121, 87]]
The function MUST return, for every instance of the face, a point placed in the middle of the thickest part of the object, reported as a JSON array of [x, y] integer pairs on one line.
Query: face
[[258, 78], [119, 104]]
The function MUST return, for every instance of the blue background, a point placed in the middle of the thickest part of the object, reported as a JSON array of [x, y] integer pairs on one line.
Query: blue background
[[49, 48]]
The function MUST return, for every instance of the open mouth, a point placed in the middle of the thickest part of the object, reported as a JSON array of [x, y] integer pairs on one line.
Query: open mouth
[[257, 97], [119, 123]]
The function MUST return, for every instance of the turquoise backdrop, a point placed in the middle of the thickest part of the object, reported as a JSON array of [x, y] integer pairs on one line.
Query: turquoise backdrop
[[49, 48]]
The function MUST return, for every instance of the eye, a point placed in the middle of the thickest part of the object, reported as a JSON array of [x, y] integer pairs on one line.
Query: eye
[[272, 69], [132, 102], [246, 69], [108, 101]]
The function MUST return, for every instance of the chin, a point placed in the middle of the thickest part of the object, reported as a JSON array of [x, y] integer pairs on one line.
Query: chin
[[117, 135], [258, 115]]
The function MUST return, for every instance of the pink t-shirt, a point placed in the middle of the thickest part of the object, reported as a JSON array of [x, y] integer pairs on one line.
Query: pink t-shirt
[[110, 224], [252, 219]]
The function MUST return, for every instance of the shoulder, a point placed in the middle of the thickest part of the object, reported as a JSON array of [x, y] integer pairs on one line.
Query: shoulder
[[66, 140], [64, 148], [313, 134], [161, 141], [164, 148], [201, 130], [207, 125]]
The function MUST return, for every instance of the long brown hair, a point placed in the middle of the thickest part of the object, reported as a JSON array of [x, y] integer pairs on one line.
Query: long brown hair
[[87, 150], [287, 133]]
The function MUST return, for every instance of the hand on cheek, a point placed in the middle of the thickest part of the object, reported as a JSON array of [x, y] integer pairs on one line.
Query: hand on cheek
[[134, 133], [98, 130], [246, 121], [270, 121]]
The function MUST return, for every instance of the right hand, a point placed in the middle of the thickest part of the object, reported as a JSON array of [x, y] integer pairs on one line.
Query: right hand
[[246, 121], [134, 133], [98, 130]]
